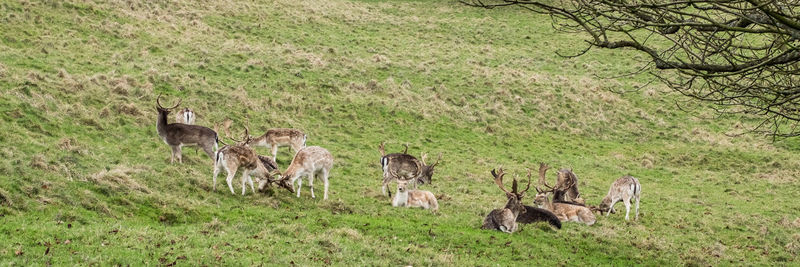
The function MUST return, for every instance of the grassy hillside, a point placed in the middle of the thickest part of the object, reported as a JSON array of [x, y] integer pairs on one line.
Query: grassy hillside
[[86, 179]]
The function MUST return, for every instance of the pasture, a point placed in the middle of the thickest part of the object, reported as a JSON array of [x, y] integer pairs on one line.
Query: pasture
[[86, 179]]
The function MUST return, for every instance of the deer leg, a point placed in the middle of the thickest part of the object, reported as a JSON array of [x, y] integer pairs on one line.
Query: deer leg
[[611, 206], [250, 180], [209, 151], [216, 172], [325, 173], [627, 203], [299, 185], [175, 153], [178, 153], [245, 176], [311, 183], [229, 179], [637, 209], [274, 150]]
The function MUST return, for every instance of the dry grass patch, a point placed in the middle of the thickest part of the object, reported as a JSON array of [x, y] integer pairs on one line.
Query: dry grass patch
[[119, 179]]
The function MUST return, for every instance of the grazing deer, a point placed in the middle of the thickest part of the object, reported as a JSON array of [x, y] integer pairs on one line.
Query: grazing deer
[[405, 167], [310, 161], [185, 116], [272, 168], [177, 135], [235, 157], [505, 219], [414, 198], [624, 188], [564, 211], [274, 138]]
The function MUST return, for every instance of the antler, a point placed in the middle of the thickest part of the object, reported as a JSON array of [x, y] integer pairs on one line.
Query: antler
[[406, 150], [247, 135], [498, 179], [529, 183], [381, 149], [542, 171], [158, 102], [438, 159], [422, 157]]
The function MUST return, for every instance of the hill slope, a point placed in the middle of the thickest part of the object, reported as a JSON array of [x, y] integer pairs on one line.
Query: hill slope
[[86, 179]]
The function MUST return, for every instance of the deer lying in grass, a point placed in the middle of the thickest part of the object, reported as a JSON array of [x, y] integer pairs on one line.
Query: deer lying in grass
[[534, 214], [414, 198], [177, 135], [310, 161], [505, 219], [624, 188], [564, 211], [185, 116], [274, 138], [405, 167]]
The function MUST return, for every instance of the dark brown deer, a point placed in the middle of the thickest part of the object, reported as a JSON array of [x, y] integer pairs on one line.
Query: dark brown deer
[[505, 219], [177, 135], [402, 166]]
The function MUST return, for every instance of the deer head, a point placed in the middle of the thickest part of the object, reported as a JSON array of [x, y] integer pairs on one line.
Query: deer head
[[161, 108], [427, 170], [541, 195], [514, 196]]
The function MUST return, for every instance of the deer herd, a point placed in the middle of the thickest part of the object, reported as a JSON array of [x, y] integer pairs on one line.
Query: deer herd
[[551, 204]]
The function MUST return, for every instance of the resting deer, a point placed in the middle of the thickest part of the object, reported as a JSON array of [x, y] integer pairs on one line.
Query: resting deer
[[414, 198], [185, 116], [274, 138], [564, 211], [310, 161], [624, 188], [566, 188], [177, 135], [405, 167], [505, 219]]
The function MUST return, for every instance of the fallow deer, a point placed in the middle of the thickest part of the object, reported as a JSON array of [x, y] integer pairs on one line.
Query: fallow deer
[[310, 161], [564, 211], [414, 198], [401, 166], [566, 188], [505, 219], [177, 135], [185, 116], [235, 157], [274, 138], [534, 214], [624, 188]]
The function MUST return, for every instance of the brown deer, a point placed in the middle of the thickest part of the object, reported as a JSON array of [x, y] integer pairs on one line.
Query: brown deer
[[185, 116], [177, 135], [274, 138], [564, 211], [566, 188], [414, 198], [402, 166], [310, 161], [624, 188], [505, 219]]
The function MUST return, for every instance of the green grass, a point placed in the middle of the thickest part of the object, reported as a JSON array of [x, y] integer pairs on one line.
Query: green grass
[[86, 179]]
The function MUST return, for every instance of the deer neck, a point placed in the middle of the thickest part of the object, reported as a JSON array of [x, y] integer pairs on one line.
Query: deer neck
[[161, 123]]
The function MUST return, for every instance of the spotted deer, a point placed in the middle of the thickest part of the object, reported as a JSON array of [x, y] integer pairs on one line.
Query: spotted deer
[[185, 116], [310, 161], [177, 135], [625, 188], [564, 211], [414, 198], [405, 167], [235, 157], [505, 219], [274, 138]]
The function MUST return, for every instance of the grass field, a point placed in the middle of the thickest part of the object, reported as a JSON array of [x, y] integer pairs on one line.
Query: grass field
[[86, 180]]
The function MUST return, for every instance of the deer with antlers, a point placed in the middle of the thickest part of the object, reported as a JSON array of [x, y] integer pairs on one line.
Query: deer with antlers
[[405, 167], [505, 219], [565, 212], [277, 137], [310, 161], [625, 188], [240, 156], [177, 135]]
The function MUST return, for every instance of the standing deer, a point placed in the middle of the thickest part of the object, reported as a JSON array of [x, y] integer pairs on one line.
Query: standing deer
[[564, 211], [177, 135], [274, 138], [239, 156], [624, 188], [505, 219], [185, 116], [310, 161], [402, 166], [414, 198]]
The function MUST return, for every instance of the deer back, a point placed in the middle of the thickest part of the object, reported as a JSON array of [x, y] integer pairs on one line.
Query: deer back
[[187, 134], [403, 166]]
